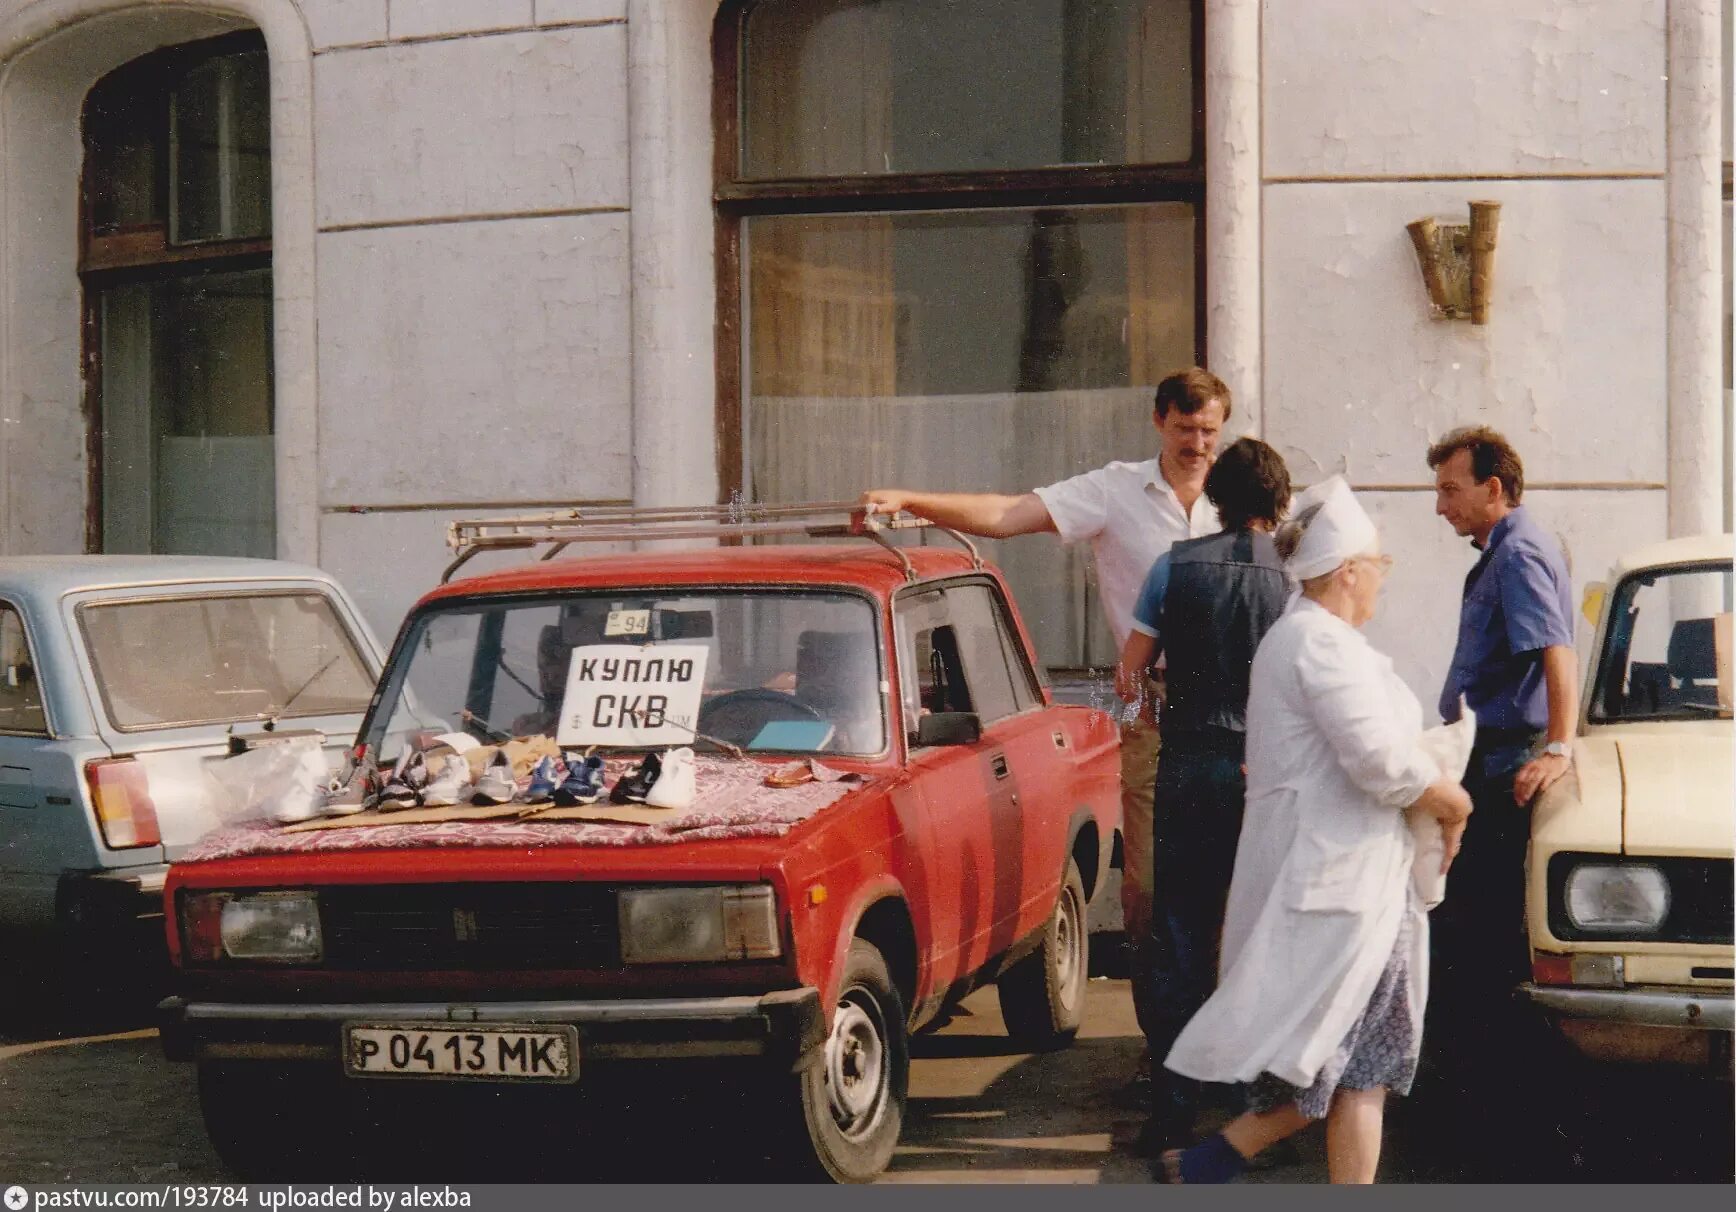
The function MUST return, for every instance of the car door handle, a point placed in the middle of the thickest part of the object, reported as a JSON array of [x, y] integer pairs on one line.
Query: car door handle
[[999, 764]]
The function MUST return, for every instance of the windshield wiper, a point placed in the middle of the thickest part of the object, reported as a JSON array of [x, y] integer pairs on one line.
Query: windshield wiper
[[302, 689], [1707, 709]]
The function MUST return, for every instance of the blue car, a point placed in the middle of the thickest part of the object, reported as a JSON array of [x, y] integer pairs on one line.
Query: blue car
[[121, 679]]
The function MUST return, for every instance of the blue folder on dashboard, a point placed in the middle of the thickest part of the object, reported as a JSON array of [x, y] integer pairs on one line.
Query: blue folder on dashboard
[[805, 736]]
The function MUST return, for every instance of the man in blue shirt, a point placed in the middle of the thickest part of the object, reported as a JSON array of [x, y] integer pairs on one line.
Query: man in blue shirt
[[1515, 667], [1206, 604]]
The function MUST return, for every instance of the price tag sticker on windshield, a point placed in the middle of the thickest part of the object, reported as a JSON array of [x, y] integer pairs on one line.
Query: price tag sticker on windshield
[[628, 622], [639, 696]]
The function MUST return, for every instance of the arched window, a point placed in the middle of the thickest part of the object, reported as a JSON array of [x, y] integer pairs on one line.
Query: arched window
[[959, 247], [175, 260]]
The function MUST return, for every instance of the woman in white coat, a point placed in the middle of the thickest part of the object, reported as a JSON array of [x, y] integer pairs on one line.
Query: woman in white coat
[[1325, 950]]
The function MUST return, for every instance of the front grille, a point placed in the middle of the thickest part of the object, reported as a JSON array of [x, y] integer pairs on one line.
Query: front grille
[[1700, 900], [467, 927]]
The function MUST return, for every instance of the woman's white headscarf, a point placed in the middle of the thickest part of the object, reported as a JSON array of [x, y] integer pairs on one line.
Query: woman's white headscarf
[[1340, 530]]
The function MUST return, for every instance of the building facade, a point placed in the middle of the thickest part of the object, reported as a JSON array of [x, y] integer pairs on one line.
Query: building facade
[[314, 276]]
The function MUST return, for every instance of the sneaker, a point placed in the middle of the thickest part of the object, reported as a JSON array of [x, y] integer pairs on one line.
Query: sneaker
[[409, 779], [636, 784], [496, 786], [549, 774], [448, 787], [583, 784], [675, 786], [348, 792]]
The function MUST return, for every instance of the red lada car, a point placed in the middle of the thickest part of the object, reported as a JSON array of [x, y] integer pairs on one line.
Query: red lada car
[[956, 827]]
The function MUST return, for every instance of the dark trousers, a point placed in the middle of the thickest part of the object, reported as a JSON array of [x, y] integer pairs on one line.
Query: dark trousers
[[1196, 822], [1489, 1056], [1478, 933]]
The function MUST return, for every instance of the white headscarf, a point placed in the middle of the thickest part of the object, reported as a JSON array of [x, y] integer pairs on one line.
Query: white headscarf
[[1340, 530]]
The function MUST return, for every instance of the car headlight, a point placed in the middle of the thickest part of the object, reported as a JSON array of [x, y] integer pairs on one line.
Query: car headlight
[[674, 925], [1617, 899], [276, 926]]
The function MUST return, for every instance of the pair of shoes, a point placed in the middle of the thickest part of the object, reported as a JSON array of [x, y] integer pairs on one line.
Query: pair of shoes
[[448, 786], [583, 783], [659, 781], [351, 791], [1213, 1160], [404, 786], [497, 784], [412, 784], [548, 775]]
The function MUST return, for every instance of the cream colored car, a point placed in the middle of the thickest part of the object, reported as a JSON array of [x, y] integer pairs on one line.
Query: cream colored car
[[1629, 873]]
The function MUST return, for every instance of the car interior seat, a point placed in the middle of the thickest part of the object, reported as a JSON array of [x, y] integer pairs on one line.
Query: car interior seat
[[1693, 662]]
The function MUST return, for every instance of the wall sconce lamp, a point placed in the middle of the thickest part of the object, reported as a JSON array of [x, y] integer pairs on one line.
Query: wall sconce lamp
[[1458, 262]]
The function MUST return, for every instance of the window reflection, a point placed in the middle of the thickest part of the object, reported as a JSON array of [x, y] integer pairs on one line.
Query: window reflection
[[866, 87]]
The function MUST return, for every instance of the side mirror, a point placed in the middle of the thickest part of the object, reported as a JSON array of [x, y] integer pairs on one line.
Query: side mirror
[[949, 728], [1592, 604]]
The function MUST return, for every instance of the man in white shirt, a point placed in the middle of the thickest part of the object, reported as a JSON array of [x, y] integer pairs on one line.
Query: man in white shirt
[[1130, 513]]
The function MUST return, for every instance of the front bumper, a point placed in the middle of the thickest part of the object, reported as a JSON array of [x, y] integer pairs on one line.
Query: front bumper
[[1701, 1010], [783, 1029], [1688, 1028]]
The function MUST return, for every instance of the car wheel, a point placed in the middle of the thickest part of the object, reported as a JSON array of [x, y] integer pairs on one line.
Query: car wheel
[[269, 1123], [1043, 995], [852, 1097]]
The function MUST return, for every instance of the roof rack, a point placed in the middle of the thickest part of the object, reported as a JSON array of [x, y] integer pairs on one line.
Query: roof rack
[[468, 537]]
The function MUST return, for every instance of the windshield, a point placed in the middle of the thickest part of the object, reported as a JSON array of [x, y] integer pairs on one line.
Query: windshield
[[222, 658], [1666, 655], [775, 672]]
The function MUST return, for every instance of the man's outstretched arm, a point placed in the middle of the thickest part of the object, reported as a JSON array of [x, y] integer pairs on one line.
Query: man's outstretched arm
[[991, 515]]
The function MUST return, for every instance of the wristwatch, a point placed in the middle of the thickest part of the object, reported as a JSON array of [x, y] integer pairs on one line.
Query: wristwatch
[[1558, 749]]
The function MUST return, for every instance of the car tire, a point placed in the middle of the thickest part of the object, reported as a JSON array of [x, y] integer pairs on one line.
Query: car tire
[[269, 1122], [1043, 994], [851, 1099]]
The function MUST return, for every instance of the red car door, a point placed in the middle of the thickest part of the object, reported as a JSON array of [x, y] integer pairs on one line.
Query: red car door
[[991, 867]]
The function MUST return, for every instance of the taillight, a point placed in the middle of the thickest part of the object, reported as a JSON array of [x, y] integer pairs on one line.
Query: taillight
[[123, 803], [1547, 969]]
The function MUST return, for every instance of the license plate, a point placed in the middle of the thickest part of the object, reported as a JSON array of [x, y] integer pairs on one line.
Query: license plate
[[535, 1054]]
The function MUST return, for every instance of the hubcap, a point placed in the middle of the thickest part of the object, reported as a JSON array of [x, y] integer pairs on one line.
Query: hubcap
[[856, 1064], [1069, 948]]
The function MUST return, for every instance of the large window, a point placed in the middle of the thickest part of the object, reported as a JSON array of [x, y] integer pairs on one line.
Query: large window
[[176, 265], [959, 245]]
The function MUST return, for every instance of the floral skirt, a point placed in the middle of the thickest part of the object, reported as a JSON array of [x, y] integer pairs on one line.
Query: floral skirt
[[1381, 1048]]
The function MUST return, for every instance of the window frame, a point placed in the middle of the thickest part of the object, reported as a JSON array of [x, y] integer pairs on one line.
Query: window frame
[[1027, 690], [345, 628], [736, 199], [144, 253], [48, 730], [391, 687]]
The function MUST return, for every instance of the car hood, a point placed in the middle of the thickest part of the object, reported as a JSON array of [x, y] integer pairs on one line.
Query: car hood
[[1677, 794]]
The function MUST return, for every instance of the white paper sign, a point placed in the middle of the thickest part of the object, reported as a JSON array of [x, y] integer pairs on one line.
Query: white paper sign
[[619, 694]]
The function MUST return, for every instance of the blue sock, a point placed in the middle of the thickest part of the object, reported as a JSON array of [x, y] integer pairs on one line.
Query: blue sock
[[1213, 1160]]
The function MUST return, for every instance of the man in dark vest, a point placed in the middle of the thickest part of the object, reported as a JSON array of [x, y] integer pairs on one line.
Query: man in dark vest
[[1206, 604]]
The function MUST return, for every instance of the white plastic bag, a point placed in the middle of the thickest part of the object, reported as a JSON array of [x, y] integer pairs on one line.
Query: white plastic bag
[[271, 782], [1450, 746]]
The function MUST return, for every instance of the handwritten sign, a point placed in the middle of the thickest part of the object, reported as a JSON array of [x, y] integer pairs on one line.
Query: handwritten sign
[[637, 696]]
